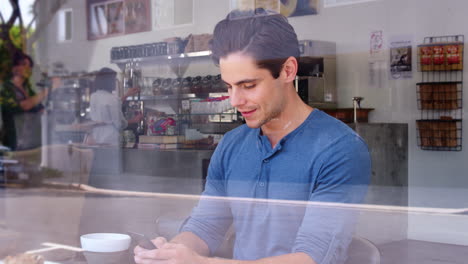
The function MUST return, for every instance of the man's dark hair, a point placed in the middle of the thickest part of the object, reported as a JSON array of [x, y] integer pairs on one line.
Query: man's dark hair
[[19, 57], [264, 35], [105, 80]]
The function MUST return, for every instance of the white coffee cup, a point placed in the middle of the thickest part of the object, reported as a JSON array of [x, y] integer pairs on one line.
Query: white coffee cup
[[105, 242]]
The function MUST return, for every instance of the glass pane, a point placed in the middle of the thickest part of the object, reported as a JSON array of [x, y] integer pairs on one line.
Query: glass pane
[[332, 132]]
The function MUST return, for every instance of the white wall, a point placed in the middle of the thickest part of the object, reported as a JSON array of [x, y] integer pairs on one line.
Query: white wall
[[432, 174], [84, 55], [436, 179]]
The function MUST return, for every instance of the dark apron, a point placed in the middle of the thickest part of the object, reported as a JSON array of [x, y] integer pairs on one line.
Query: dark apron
[[27, 125], [28, 130]]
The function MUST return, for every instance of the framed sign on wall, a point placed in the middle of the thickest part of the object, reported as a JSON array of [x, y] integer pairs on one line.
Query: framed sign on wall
[[108, 18]]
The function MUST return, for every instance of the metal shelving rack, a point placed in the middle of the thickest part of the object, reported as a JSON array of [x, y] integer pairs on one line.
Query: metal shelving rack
[[440, 93], [206, 122]]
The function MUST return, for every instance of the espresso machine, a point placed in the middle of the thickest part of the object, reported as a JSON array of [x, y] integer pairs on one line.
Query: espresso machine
[[132, 77], [316, 77]]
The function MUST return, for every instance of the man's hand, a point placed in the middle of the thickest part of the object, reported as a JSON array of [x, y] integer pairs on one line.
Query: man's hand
[[167, 253], [177, 253]]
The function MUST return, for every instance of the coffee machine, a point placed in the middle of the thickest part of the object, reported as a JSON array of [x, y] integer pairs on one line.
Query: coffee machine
[[316, 78], [132, 77]]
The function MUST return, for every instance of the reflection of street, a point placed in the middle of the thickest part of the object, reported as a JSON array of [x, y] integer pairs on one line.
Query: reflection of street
[[31, 217]]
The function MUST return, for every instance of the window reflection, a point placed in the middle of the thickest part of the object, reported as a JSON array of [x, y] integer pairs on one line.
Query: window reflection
[[188, 158]]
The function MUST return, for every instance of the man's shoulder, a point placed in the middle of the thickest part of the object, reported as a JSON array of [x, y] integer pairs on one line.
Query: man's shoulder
[[328, 140], [327, 130], [329, 124]]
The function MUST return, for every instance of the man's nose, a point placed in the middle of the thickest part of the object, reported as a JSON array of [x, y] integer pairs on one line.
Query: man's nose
[[236, 97]]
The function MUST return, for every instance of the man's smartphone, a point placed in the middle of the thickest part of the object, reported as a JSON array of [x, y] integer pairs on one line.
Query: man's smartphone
[[142, 240]]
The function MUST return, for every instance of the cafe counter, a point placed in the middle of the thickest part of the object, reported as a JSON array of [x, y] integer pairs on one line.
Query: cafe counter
[[388, 145], [184, 163]]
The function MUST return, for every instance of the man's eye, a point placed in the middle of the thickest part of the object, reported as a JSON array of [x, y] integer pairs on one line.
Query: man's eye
[[249, 86]]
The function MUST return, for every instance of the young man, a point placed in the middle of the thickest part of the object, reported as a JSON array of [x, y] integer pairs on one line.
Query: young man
[[286, 151]]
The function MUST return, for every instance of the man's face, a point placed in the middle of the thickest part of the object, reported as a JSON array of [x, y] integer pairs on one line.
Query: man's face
[[253, 91]]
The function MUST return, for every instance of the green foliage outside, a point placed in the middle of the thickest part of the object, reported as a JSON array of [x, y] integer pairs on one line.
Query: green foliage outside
[[5, 54]]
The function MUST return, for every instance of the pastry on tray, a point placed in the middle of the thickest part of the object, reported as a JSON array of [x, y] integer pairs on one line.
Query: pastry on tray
[[24, 259]]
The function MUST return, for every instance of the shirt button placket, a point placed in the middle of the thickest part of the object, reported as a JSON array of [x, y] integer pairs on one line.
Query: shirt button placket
[[261, 185]]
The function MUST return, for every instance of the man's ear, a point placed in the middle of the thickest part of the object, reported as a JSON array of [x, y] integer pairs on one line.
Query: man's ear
[[289, 70]]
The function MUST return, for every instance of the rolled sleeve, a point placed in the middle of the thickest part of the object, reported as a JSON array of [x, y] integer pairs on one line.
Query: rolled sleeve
[[208, 225], [327, 229], [212, 217], [325, 235]]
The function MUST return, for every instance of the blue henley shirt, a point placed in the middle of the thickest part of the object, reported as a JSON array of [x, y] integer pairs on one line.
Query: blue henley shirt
[[323, 160]]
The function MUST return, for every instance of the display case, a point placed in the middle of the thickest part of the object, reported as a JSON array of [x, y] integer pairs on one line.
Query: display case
[[182, 110]]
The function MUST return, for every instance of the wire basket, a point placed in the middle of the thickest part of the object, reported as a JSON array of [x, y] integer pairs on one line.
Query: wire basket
[[444, 53], [440, 93], [443, 135], [439, 96]]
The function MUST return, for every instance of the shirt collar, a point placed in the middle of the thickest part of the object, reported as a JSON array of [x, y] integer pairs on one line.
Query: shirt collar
[[263, 140]]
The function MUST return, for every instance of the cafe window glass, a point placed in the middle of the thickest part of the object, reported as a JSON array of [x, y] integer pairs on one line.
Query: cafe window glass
[[138, 122]]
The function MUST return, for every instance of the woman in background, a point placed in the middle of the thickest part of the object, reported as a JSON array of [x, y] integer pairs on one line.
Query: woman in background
[[21, 106], [106, 109]]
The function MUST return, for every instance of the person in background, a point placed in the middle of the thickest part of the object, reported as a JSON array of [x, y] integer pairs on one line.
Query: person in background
[[287, 151], [21, 106], [106, 109]]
